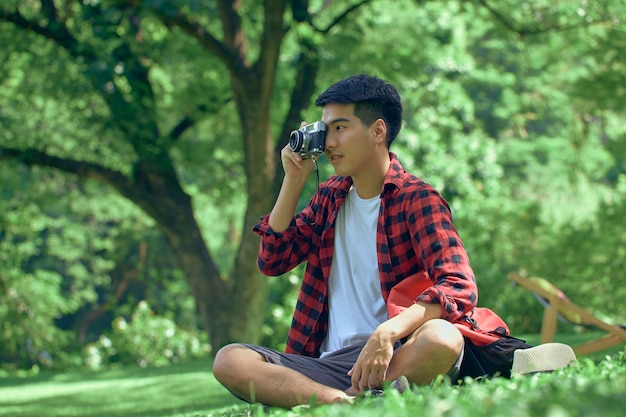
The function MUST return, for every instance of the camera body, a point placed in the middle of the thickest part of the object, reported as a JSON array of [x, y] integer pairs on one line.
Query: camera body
[[309, 140]]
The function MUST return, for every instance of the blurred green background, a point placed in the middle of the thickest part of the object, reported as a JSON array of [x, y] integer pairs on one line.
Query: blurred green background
[[139, 144]]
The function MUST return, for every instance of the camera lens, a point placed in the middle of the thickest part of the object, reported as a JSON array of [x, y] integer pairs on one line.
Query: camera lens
[[296, 140]]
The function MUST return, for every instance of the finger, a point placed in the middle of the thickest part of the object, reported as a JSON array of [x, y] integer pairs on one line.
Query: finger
[[287, 151], [297, 160], [364, 383], [291, 152], [382, 376], [356, 379], [374, 380], [294, 157]]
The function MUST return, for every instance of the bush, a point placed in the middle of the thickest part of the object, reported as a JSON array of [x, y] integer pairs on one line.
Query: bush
[[146, 340]]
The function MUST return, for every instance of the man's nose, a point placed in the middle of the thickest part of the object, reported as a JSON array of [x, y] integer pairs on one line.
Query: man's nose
[[330, 143]]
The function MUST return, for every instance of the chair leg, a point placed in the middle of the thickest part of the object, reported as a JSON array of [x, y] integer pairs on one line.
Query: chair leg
[[548, 327], [598, 344]]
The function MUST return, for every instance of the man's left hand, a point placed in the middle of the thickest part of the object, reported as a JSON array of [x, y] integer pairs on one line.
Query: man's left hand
[[370, 369]]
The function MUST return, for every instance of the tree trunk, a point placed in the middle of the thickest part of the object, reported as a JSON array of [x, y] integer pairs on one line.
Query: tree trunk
[[229, 308]]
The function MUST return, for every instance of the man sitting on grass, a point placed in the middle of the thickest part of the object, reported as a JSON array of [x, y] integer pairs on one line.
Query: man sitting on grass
[[369, 228]]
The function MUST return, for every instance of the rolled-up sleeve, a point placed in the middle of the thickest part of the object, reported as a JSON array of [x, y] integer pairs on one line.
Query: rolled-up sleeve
[[279, 252], [443, 255]]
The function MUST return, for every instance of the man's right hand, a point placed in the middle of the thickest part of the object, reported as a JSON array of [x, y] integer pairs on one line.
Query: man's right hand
[[297, 170], [293, 164]]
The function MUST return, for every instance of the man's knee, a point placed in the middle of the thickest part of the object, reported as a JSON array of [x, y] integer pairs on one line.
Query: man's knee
[[441, 335], [432, 350], [230, 360]]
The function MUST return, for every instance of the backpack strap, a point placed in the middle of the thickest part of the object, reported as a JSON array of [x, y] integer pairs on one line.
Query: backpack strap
[[482, 326]]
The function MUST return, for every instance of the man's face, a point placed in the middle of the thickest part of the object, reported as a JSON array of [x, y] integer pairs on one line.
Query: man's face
[[349, 144]]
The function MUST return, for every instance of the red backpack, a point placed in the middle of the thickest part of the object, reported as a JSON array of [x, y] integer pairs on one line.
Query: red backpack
[[491, 349], [481, 325]]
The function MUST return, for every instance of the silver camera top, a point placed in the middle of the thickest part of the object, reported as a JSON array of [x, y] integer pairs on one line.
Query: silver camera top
[[309, 140]]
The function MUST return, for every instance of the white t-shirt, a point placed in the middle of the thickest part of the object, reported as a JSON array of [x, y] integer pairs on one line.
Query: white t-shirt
[[355, 300]]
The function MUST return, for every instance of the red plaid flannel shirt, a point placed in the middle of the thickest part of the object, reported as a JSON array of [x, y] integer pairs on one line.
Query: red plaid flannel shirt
[[415, 235]]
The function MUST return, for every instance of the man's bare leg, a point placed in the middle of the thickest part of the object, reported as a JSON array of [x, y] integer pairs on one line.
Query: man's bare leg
[[430, 351], [247, 374]]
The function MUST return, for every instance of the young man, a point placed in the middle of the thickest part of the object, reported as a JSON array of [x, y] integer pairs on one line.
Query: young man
[[369, 228]]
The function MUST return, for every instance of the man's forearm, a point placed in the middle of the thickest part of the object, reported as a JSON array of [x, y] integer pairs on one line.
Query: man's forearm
[[286, 203], [408, 321]]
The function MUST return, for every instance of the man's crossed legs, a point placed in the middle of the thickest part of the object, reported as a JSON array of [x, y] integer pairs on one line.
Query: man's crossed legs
[[258, 374]]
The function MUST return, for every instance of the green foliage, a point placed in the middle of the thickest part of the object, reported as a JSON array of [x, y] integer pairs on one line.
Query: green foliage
[[514, 113], [601, 269], [30, 302], [281, 301], [68, 252], [33, 291], [146, 340], [57, 112]]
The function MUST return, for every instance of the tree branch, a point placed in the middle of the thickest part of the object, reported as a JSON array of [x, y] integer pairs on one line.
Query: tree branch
[[55, 31], [182, 127], [98, 311], [526, 31], [231, 24], [304, 86], [189, 121], [338, 19], [50, 10], [173, 17], [85, 170], [500, 17], [300, 10], [274, 31]]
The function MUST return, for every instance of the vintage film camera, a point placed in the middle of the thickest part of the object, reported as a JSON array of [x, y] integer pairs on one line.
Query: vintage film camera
[[308, 140]]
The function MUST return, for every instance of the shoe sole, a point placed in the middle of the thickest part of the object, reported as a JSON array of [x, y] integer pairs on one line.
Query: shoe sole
[[542, 358]]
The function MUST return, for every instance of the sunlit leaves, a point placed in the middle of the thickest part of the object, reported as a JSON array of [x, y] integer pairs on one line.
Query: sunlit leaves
[[513, 110]]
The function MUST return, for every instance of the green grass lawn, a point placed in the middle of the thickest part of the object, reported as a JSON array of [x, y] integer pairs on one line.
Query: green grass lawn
[[595, 387], [179, 390]]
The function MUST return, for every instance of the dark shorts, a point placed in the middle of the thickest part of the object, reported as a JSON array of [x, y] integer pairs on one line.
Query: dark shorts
[[332, 369]]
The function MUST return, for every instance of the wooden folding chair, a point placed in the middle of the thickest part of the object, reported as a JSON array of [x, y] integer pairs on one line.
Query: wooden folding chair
[[558, 305]]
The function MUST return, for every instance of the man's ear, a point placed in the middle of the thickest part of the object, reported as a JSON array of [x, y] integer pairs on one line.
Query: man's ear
[[380, 130]]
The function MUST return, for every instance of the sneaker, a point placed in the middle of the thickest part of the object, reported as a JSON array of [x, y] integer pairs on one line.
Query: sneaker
[[377, 392], [399, 384], [542, 358]]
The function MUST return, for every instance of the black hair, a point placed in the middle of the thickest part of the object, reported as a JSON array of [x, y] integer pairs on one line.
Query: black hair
[[373, 99]]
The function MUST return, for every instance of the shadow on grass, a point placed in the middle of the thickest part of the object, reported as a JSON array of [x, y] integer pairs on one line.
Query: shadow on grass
[[187, 389], [125, 372]]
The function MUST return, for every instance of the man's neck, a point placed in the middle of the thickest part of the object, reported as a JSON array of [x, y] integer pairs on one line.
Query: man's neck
[[369, 184]]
